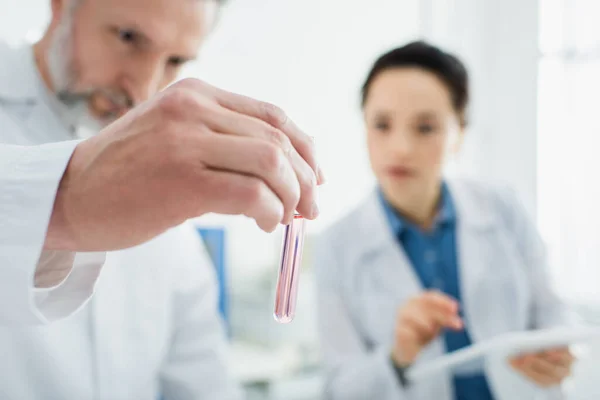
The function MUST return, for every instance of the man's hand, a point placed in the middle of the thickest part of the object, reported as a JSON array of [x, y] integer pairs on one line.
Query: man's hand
[[192, 149], [547, 368]]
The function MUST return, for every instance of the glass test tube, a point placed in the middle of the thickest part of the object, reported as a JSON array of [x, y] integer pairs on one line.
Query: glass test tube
[[287, 282]]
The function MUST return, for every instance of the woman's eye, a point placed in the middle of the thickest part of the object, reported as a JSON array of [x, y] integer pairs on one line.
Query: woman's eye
[[382, 126], [425, 128]]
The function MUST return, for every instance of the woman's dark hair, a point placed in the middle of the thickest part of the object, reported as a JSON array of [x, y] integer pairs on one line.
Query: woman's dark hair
[[422, 55]]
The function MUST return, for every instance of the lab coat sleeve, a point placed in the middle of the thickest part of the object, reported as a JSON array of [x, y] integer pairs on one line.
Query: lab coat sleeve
[[352, 371], [29, 178], [196, 364], [548, 309]]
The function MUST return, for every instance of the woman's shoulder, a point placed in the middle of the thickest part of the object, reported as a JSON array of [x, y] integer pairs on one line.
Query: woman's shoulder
[[490, 200], [494, 193]]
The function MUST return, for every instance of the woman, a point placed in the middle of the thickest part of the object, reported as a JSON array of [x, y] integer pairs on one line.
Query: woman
[[427, 265]]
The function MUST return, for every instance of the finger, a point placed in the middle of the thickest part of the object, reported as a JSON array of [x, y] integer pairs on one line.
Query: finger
[[257, 158], [320, 176], [440, 301], [199, 92], [308, 206], [561, 357], [444, 310], [538, 378], [519, 358], [425, 327], [521, 367], [517, 362], [542, 366], [240, 195], [226, 121], [448, 321], [433, 319], [273, 116]]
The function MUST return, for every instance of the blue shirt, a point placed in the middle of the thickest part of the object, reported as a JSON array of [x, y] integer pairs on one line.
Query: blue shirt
[[434, 258]]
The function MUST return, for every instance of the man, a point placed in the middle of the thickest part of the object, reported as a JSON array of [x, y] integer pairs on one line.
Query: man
[[191, 150], [152, 328]]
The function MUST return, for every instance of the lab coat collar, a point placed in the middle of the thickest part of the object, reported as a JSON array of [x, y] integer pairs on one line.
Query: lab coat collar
[[20, 82], [471, 214], [18, 74], [472, 211], [446, 213]]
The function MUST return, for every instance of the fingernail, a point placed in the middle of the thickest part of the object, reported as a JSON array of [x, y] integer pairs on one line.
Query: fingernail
[[454, 306], [318, 171], [288, 220], [320, 176]]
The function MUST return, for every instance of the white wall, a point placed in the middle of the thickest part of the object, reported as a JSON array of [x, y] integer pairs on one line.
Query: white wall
[[22, 17], [499, 42]]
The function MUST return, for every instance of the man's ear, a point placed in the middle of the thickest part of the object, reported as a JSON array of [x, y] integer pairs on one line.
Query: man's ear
[[58, 8]]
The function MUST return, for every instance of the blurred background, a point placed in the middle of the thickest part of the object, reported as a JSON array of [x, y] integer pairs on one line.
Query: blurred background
[[535, 68]]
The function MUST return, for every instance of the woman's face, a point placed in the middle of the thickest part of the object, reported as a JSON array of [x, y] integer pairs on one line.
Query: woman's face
[[411, 127]]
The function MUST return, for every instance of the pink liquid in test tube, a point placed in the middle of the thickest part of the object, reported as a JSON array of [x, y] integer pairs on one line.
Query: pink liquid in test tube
[[287, 282]]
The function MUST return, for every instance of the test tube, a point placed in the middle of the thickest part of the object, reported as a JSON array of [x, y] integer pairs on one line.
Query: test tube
[[287, 282]]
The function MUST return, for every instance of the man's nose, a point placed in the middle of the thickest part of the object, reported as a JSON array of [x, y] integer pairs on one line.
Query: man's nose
[[144, 79]]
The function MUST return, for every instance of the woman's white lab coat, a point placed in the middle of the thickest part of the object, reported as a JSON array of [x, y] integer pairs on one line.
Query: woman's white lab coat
[[364, 276], [29, 178]]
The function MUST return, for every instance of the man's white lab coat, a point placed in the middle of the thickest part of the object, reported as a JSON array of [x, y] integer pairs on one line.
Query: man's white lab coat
[[152, 327], [29, 178]]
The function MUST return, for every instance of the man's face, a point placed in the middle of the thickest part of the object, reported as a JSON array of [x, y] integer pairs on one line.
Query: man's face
[[114, 54]]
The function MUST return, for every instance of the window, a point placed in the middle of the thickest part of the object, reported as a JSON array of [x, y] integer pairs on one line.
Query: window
[[568, 152]]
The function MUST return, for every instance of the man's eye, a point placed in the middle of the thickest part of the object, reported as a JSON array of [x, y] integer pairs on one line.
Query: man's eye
[[127, 35], [176, 61]]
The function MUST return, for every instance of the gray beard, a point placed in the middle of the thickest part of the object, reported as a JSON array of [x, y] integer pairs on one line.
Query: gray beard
[[60, 59], [62, 75]]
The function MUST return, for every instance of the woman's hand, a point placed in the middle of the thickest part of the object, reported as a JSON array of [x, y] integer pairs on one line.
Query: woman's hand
[[420, 321], [546, 368]]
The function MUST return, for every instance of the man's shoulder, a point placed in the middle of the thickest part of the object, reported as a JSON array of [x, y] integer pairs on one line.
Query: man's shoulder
[[17, 69], [14, 107], [9, 69], [12, 130]]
